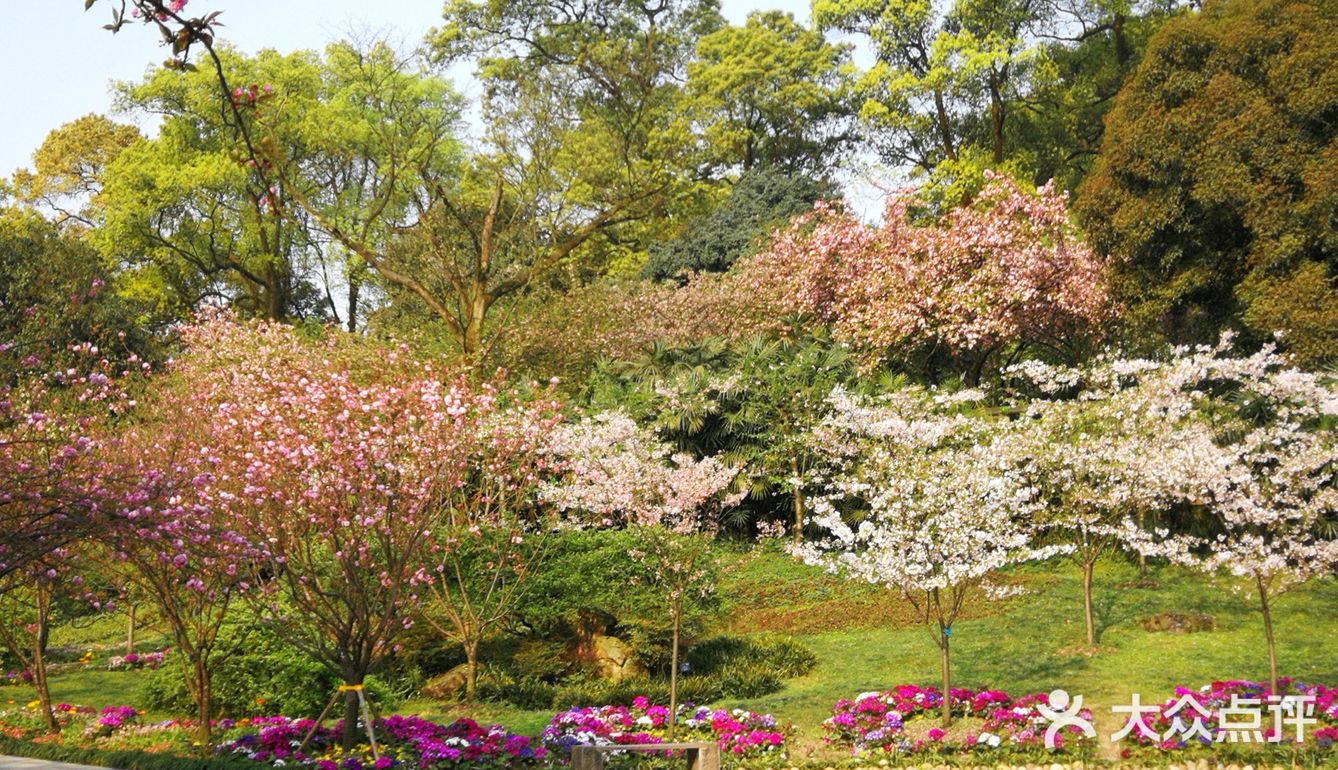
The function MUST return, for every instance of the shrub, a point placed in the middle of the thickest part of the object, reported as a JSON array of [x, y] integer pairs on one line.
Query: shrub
[[265, 676], [125, 760], [590, 690], [784, 657]]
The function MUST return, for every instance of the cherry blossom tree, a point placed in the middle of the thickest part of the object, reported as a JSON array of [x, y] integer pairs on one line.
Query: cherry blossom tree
[[341, 454], [52, 430], [1241, 449], [1006, 270], [1104, 453], [940, 509], [1267, 479], [624, 475], [490, 534]]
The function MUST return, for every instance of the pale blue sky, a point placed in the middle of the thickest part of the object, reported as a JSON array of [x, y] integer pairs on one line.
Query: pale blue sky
[[58, 60]]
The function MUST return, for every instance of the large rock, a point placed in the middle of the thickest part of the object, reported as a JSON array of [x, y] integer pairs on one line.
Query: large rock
[[615, 659], [447, 686]]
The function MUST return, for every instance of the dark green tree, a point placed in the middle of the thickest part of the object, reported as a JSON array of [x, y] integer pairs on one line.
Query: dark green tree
[[762, 200], [55, 291], [1216, 191]]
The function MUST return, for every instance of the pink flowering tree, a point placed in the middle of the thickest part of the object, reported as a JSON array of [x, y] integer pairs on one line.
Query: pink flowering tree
[[175, 532], [29, 602], [939, 509], [1004, 272], [52, 432], [343, 454], [622, 474], [54, 486], [490, 533]]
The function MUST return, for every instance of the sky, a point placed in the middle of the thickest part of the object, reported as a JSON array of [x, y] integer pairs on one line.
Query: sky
[[58, 61]]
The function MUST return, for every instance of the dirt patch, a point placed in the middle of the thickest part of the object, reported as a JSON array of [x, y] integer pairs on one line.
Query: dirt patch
[[1178, 622]]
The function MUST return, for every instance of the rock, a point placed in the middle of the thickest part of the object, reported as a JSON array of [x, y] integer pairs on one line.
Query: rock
[[615, 659], [1178, 622], [447, 686]]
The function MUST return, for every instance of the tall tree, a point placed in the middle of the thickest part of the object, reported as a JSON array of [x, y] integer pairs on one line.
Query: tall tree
[[771, 93], [759, 202], [1215, 191], [1019, 86], [451, 236], [185, 214], [67, 174]]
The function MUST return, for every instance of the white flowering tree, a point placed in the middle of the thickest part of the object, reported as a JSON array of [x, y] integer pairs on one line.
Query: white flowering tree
[[918, 500], [1240, 451], [1267, 478], [1104, 449], [625, 476]]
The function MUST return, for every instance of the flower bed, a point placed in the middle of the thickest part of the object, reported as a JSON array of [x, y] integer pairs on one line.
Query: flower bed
[[1188, 705], [738, 732], [16, 678], [132, 661], [405, 741], [902, 721]]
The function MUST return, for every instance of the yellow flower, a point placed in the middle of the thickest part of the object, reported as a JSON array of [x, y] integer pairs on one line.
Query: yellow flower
[[33, 704]]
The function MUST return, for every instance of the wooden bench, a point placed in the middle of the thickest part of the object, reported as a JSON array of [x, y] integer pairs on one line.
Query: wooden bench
[[701, 756]]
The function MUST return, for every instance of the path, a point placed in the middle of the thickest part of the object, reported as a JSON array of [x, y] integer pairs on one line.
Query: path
[[19, 763]]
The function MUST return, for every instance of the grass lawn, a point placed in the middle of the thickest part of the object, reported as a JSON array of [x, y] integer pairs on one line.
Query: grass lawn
[[866, 639]]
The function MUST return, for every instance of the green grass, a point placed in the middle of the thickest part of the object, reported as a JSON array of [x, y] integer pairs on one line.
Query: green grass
[[864, 640], [1034, 643]]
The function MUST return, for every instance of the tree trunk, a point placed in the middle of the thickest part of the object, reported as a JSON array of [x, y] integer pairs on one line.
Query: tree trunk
[[203, 699], [797, 502], [996, 121], [130, 630], [1268, 633], [1088, 568], [677, 611], [943, 639], [1122, 53], [471, 669], [354, 288], [472, 344], [352, 711], [40, 683], [1142, 557]]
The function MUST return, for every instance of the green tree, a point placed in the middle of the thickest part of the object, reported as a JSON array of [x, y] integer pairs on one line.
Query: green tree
[[1019, 86], [762, 200], [55, 291], [598, 84], [771, 93], [66, 178], [187, 216], [1216, 191]]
